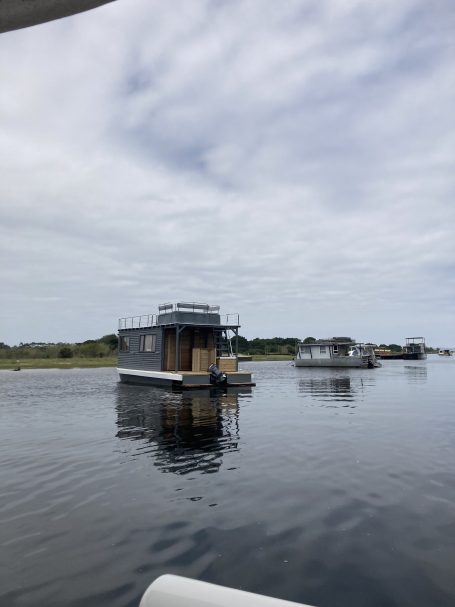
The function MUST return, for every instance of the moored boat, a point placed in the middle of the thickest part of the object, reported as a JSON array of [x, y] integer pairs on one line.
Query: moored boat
[[414, 349], [185, 345], [335, 352]]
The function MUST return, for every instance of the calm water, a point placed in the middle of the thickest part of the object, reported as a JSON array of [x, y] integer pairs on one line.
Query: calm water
[[331, 487]]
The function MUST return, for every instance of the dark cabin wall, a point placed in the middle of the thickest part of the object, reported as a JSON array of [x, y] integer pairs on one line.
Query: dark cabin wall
[[149, 361]]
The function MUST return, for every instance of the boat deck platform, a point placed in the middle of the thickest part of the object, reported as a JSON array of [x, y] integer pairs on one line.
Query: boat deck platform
[[186, 380]]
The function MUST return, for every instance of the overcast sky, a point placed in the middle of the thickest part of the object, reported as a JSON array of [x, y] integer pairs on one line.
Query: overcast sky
[[292, 161]]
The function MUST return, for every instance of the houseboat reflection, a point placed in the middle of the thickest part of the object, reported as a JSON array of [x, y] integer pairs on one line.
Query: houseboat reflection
[[335, 390], [327, 388], [416, 373], [182, 432]]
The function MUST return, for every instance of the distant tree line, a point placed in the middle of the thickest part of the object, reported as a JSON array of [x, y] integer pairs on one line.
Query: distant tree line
[[272, 345], [106, 346], [287, 345], [391, 347], [92, 348]]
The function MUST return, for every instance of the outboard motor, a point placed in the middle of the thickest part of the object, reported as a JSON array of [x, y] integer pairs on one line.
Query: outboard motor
[[217, 377]]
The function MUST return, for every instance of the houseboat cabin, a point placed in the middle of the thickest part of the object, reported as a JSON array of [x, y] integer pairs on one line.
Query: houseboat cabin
[[335, 352], [414, 348], [186, 345]]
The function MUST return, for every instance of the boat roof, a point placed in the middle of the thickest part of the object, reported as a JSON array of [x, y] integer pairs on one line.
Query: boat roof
[[187, 306], [182, 313], [328, 341]]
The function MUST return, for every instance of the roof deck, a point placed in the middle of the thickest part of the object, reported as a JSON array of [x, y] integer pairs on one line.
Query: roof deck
[[328, 341], [182, 313]]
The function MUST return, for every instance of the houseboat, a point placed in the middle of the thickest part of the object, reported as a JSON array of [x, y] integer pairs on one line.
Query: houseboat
[[414, 349], [335, 352], [185, 345]]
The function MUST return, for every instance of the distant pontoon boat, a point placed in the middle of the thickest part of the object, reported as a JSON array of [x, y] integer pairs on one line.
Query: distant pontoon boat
[[414, 349], [186, 345], [335, 352]]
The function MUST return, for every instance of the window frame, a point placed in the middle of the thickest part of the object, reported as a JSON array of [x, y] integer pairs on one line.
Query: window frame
[[143, 343], [124, 343], [322, 350]]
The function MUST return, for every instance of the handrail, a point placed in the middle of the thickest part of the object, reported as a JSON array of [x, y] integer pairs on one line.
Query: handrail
[[137, 322], [146, 321], [235, 319], [167, 308], [188, 305]]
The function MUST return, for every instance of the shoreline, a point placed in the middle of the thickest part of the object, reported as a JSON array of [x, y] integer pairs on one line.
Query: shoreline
[[7, 364]]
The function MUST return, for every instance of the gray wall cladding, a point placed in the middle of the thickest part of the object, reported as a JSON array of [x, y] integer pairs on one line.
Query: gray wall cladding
[[148, 361]]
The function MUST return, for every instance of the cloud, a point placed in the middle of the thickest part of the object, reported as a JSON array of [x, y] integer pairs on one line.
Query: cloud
[[292, 163]]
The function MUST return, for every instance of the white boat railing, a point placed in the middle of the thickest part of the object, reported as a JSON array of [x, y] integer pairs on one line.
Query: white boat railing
[[176, 591], [230, 319], [188, 306], [137, 322]]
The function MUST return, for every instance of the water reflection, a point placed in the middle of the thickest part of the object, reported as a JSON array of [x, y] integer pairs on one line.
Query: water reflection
[[416, 374], [338, 390], [183, 432]]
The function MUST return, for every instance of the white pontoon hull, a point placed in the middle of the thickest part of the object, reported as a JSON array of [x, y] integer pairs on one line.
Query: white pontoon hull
[[341, 361]]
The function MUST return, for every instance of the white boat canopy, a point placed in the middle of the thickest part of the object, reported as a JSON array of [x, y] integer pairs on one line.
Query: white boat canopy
[[16, 15]]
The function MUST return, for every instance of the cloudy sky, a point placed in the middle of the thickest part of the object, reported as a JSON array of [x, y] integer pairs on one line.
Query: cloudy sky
[[291, 161]]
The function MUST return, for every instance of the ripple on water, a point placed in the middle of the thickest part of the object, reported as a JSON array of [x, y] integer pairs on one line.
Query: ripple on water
[[320, 486]]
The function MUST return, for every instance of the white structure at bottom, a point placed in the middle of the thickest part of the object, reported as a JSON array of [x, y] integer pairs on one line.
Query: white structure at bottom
[[176, 591]]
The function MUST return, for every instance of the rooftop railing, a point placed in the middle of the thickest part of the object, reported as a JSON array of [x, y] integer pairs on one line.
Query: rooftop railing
[[188, 307], [137, 322], [152, 320], [230, 319]]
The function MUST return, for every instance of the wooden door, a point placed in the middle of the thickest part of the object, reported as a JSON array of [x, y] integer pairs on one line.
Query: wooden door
[[169, 350], [186, 344]]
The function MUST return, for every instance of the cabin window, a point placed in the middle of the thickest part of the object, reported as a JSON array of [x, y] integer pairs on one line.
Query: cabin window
[[322, 349], [335, 349], [124, 344], [147, 343]]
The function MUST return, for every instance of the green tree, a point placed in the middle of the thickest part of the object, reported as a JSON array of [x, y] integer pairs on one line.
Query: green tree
[[243, 344], [65, 352], [92, 349], [395, 347], [110, 340]]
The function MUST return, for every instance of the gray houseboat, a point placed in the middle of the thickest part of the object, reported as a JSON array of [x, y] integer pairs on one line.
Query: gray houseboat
[[186, 345], [414, 348], [335, 352]]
